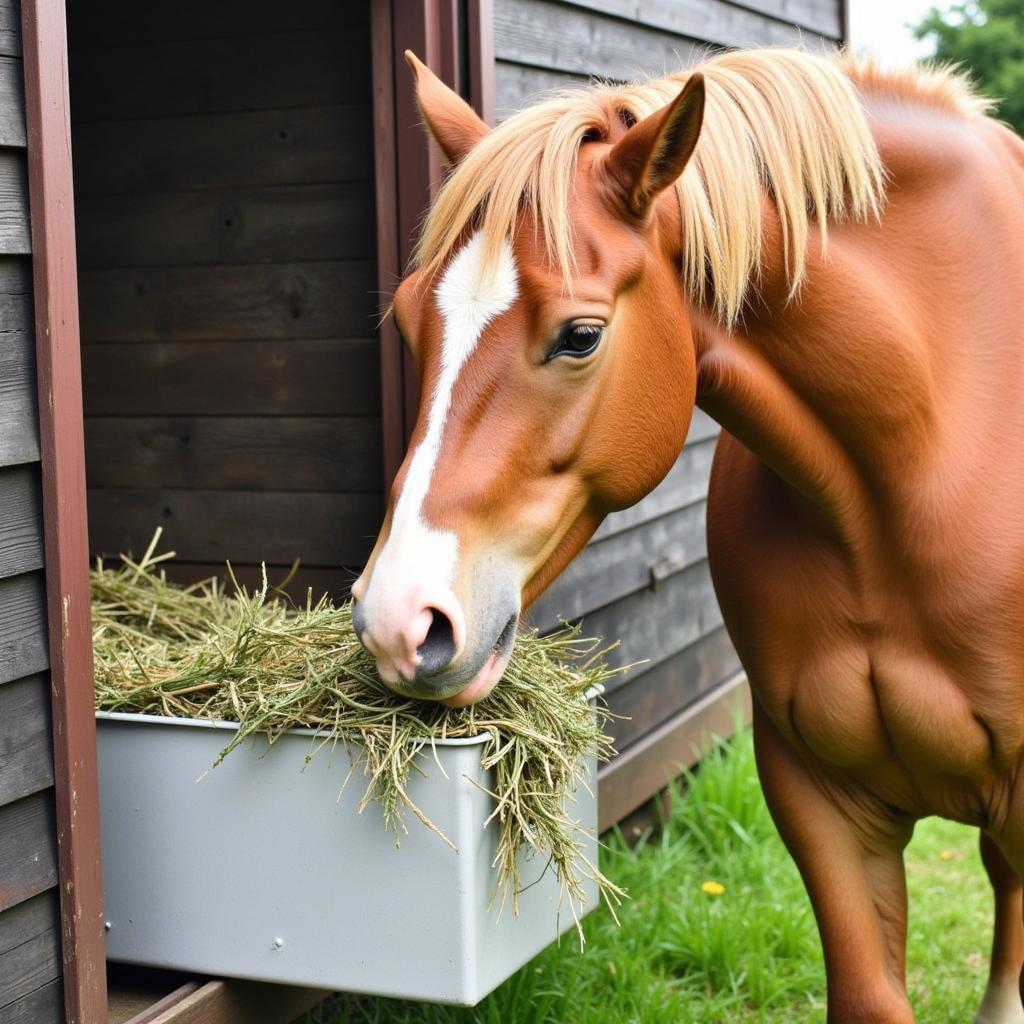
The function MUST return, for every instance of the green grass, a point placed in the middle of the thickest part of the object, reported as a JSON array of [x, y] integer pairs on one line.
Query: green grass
[[750, 954]]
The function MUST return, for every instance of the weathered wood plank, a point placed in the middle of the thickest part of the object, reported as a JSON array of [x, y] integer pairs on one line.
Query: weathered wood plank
[[624, 563], [249, 378], [287, 300], [29, 947], [28, 848], [16, 286], [212, 526], [296, 146], [714, 21], [43, 1006], [10, 29], [118, 22], [647, 699], [24, 647], [19, 427], [235, 453], [19, 422], [263, 225], [26, 747], [519, 80], [141, 997], [562, 38], [14, 224], [656, 623], [284, 69], [12, 104], [21, 522], [519, 85], [241, 1002], [822, 16], [685, 483]]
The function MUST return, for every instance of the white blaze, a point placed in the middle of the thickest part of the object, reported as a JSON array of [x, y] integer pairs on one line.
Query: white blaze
[[416, 555]]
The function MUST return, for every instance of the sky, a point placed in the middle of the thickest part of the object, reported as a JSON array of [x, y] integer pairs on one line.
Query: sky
[[879, 27]]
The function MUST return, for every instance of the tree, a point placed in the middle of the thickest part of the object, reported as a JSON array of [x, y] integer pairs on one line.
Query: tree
[[986, 37]]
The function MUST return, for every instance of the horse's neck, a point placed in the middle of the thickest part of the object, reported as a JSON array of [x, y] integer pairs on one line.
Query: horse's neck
[[789, 419], [873, 385]]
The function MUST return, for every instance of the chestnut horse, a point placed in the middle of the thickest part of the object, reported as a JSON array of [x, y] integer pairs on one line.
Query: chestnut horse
[[828, 259]]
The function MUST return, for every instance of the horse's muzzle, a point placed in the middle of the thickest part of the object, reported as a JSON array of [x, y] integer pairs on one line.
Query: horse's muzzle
[[431, 660]]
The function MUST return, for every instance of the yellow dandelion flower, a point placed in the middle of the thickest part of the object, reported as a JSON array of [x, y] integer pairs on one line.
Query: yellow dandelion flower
[[947, 854], [712, 888]]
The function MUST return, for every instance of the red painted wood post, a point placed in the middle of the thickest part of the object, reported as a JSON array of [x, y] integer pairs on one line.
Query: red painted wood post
[[44, 42], [480, 73], [388, 258]]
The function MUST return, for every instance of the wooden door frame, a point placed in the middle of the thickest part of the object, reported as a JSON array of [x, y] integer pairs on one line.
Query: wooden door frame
[[456, 40], [65, 531]]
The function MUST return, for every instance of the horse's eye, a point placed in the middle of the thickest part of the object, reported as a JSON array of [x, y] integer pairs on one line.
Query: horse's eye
[[576, 340]]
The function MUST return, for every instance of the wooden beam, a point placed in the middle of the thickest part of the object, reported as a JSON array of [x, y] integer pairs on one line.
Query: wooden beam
[[389, 266], [233, 1002], [646, 768], [55, 286], [125, 1003], [480, 57]]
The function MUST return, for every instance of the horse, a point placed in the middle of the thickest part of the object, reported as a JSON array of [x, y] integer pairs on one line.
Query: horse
[[828, 258]]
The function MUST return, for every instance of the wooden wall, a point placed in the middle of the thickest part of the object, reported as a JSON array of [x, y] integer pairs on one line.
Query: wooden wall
[[544, 44], [226, 239], [30, 986], [644, 580]]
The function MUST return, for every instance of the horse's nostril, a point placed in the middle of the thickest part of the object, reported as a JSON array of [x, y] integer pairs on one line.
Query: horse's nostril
[[438, 648], [358, 619]]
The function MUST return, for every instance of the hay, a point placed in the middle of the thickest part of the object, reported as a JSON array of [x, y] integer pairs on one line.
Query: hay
[[255, 659]]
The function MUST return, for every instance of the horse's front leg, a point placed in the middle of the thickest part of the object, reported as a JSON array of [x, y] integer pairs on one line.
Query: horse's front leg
[[850, 855]]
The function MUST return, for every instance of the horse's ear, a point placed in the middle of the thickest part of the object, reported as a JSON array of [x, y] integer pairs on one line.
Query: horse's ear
[[656, 150], [452, 122]]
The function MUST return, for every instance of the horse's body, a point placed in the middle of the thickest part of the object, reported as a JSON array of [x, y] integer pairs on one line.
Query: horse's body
[[866, 513], [866, 532]]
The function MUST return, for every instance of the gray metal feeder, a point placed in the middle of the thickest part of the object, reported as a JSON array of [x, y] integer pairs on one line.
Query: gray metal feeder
[[260, 871]]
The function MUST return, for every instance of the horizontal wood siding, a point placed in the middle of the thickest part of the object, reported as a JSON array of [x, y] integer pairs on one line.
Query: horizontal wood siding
[[643, 580], [42, 1004], [26, 754], [29, 954], [19, 425], [228, 282], [246, 527], [30, 967], [21, 546], [290, 377], [543, 44], [244, 453], [10, 37], [305, 145], [23, 642]]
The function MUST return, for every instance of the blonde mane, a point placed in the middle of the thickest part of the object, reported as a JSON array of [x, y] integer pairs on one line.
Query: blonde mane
[[785, 120]]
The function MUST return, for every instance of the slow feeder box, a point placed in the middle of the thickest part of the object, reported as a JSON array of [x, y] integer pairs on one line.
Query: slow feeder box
[[260, 871]]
